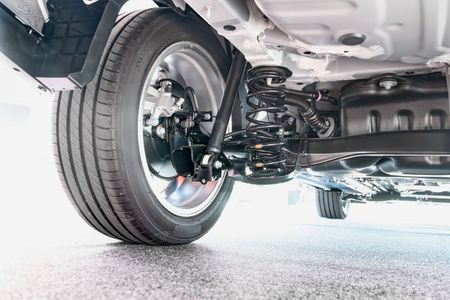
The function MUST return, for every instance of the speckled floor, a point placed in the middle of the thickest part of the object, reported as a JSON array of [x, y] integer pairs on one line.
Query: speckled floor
[[313, 258]]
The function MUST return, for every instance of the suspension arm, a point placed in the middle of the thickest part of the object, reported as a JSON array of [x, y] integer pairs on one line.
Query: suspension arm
[[398, 143]]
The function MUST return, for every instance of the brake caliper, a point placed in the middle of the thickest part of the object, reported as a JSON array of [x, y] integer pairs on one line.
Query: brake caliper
[[165, 105]]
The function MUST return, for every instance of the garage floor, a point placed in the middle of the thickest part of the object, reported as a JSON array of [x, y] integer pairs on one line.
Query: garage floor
[[247, 255]]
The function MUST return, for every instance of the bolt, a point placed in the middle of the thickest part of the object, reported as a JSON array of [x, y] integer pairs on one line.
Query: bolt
[[168, 87], [388, 83], [206, 116], [281, 132], [179, 102], [153, 122], [217, 164], [160, 131]]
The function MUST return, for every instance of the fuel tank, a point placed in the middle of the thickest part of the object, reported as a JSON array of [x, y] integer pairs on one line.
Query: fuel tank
[[389, 103]]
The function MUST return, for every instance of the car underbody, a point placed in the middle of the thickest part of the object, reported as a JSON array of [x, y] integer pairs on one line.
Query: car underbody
[[385, 71], [343, 95]]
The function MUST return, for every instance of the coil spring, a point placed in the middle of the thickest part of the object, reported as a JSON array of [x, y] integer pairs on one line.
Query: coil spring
[[265, 131]]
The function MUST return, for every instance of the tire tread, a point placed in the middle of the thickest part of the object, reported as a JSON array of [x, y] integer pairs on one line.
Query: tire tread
[[328, 204]]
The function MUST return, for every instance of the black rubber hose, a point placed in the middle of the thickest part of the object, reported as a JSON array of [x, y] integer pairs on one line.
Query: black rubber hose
[[307, 109]]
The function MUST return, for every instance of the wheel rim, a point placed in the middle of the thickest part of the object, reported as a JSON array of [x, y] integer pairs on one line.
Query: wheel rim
[[191, 65]]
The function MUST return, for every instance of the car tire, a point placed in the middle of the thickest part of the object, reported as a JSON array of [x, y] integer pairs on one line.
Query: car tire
[[96, 136], [330, 204]]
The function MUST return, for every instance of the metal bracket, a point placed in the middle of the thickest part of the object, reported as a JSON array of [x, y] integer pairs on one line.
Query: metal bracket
[[204, 172]]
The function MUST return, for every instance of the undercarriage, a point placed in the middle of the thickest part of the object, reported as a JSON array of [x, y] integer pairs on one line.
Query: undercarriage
[[362, 137]]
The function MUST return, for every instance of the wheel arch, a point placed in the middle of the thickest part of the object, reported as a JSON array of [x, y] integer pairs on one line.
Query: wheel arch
[[58, 55]]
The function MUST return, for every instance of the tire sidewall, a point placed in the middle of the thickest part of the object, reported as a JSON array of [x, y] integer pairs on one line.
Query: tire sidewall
[[140, 56]]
